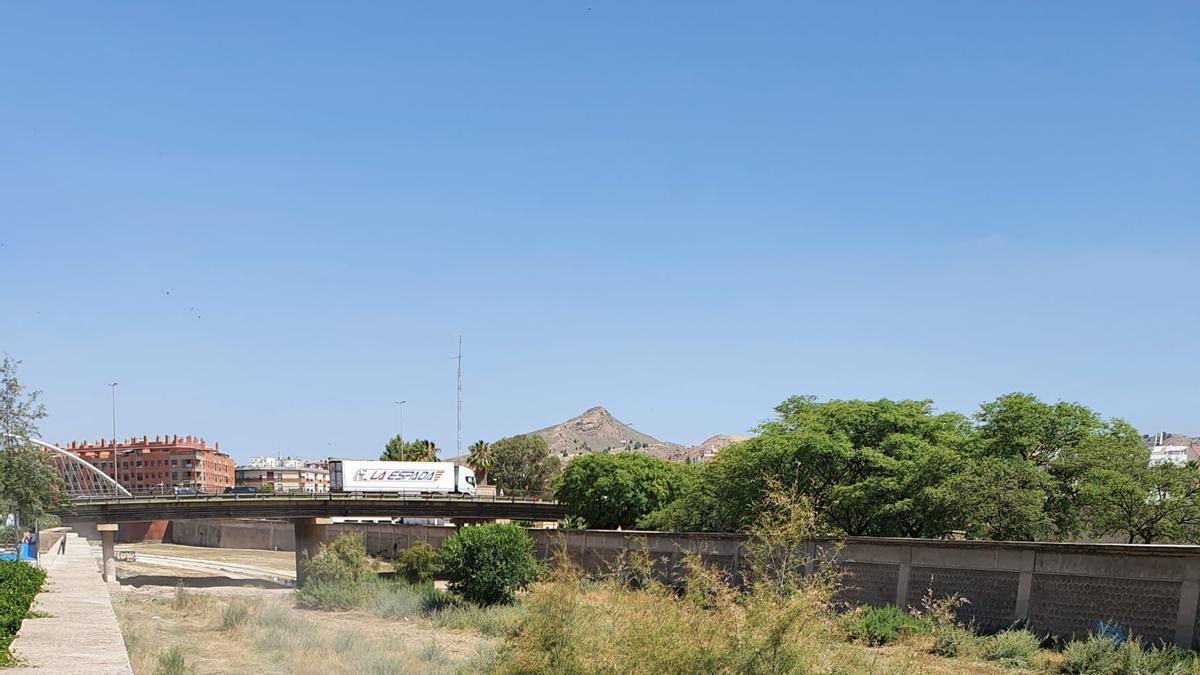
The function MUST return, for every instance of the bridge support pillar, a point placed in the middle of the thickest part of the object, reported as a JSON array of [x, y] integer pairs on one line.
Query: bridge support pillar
[[310, 532], [108, 536]]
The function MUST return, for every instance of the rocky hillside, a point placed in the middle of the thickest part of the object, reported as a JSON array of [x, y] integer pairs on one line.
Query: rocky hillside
[[709, 447], [596, 430], [1164, 438]]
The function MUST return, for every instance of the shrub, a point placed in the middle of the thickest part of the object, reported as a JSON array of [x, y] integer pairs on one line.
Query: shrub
[[333, 596], [336, 578], [171, 662], [344, 560], [233, 615], [1093, 655], [776, 623], [19, 584], [1101, 655], [954, 641], [881, 625], [1012, 649], [188, 601], [391, 600], [432, 652], [950, 637], [496, 621], [487, 564], [417, 564]]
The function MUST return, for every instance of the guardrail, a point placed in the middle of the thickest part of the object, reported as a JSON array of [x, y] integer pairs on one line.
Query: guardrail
[[314, 505], [530, 498]]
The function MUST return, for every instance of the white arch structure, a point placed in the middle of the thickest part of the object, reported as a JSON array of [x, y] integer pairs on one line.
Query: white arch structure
[[79, 476]]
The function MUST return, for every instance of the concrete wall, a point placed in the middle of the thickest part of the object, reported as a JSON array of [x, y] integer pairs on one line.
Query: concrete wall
[[132, 532], [1057, 589]]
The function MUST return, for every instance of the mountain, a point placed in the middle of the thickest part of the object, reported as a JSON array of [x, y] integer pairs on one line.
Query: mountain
[[710, 446], [596, 430]]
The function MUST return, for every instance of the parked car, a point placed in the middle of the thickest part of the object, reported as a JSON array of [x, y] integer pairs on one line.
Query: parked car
[[242, 490], [183, 491]]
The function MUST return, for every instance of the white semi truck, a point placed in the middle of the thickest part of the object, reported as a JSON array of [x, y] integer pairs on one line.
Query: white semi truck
[[360, 475]]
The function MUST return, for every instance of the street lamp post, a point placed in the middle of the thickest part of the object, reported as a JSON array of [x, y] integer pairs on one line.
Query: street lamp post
[[113, 386], [401, 404]]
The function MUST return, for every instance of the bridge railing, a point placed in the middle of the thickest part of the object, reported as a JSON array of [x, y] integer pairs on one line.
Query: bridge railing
[[509, 497]]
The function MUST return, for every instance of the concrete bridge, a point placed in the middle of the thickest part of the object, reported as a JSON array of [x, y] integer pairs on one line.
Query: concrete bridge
[[309, 513]]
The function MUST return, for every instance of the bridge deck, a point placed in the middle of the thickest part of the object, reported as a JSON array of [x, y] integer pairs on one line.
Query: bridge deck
[[127, 509]]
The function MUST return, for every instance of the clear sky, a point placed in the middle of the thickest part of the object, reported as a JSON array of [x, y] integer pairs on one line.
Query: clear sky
[[270, 222]]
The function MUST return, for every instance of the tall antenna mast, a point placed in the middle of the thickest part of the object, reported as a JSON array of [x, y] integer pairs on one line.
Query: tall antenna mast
[[458, 439]]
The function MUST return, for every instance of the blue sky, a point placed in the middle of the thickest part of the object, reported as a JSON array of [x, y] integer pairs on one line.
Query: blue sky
[[684, 212]]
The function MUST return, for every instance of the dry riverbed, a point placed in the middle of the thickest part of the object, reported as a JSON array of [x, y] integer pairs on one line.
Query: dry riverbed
[[233, 611]]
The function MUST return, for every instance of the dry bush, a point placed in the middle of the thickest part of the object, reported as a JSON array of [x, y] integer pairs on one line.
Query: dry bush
[[189, 602], [633, 622]]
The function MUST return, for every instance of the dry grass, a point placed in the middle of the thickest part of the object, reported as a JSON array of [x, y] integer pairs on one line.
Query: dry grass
[[215, 632], [577, 626]]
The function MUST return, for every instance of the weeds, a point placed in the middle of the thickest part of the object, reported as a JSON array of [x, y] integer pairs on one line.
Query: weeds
[[384, 665], [875, 626], [334, 596], [345, 641], [432, 652], [482, 661], [1016, 648], [950, 637], [1101, 655], [495, 621], [172, 662], [390, 600], [188, 602], [699, 623], [233, 615]]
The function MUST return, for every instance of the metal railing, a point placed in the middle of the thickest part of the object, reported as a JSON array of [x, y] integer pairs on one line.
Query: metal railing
[[508, 497]]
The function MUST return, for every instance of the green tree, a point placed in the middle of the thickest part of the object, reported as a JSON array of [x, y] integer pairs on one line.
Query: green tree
[[867, 467], [609, 491], [1056, 446], [1003, 498], [397, 450], [479, 458], [1143, 503], [487, 564], [523, 463], [29, 483], [1022, 426]]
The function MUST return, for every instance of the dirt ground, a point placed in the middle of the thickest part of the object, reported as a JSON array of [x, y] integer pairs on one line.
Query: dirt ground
[[190, 598]]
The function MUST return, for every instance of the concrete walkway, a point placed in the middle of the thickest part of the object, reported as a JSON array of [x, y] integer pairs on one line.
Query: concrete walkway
[[81, 634]]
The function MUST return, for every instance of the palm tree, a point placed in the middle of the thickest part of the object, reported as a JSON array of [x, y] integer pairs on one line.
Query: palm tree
[[480, 459], [422, 451], [412, 451]]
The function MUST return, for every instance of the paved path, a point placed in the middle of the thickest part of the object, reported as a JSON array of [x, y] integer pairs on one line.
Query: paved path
[[81, 635]]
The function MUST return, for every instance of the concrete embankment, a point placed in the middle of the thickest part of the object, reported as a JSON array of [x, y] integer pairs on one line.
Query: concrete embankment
[[77, 632]]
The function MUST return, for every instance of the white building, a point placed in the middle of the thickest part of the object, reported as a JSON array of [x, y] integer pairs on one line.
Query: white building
[[1175, 454], [276, 463]]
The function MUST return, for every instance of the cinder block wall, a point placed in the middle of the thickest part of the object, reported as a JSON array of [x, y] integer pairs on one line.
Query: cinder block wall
[[1057, 589]]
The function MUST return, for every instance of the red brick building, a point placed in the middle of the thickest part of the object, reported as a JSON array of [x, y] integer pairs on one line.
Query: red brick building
[[144, 466]]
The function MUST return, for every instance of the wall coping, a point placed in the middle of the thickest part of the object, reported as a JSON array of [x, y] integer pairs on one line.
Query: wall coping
[[1076, 548], [1187, 550]]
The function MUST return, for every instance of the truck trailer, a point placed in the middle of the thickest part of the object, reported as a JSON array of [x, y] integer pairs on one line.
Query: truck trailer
[[360, 475]]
